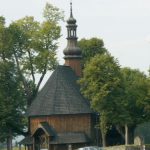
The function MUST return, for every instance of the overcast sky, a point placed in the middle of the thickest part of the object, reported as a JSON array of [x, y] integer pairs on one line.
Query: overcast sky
[[124, 25]]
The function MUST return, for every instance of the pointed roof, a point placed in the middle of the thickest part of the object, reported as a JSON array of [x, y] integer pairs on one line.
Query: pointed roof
[[46, 128], [28, 140], [60, 95]]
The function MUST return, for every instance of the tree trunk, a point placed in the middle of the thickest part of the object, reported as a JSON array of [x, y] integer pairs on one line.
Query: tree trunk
[[103, 139], [126, 135], [9, 141], [121, 131]]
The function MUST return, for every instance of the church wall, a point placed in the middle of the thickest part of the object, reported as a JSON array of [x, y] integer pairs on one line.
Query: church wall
[[65, 123]]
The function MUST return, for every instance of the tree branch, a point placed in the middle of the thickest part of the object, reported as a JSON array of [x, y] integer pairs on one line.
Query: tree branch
[[41, 79], [120, 131], [21, 75], [31, 66]]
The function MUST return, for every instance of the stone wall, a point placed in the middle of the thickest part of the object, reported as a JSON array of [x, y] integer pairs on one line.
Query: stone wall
[[122, 147], [130, 147]]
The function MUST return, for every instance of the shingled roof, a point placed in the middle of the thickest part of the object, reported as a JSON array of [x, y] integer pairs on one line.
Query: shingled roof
[[48, 130], [26, 141], [70, 138], [60, 95]]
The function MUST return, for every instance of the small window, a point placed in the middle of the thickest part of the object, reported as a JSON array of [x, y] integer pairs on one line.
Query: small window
[[72, 33]]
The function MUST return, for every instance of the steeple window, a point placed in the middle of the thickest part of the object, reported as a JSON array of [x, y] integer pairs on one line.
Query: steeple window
[[72, 33]]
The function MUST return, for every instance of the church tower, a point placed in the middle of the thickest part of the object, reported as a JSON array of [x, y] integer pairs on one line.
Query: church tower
[[72, 52]]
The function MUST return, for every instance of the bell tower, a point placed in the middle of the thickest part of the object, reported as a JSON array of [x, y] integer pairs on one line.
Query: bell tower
[[72, 52]]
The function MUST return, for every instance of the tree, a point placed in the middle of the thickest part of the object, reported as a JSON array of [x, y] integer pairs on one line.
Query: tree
[[136, 98], [27, 48], [91, 47], [34, 45], [11, 104], [101, 84], [52, 13], [11, 94]]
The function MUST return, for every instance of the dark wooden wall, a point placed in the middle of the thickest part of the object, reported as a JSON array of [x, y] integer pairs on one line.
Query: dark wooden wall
[[65, 123]]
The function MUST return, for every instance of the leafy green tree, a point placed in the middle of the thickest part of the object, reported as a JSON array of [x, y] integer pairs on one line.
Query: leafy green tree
[[11, 104], [11, 94], [101, 84], [27, 48], [4, 40], [136, 98], [34, 45], [52, 13], [91, 47]]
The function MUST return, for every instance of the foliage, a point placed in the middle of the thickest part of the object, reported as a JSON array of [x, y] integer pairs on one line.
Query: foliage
[[34, 45], [91, 47], [11, 102], [135, 100], [120, 94], [101, 84], [34, 50], [27, 48], [52, 13], [136, 96], [100, 80]]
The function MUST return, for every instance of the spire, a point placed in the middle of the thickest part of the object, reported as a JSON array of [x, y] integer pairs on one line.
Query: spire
[[71, 20], [71, 15], [72, 52]]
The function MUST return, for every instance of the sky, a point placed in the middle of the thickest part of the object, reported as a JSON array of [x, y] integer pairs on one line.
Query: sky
[[124, 25]]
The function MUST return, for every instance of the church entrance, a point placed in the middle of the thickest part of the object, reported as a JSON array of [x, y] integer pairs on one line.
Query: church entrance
[[42, 137], [41, 141]]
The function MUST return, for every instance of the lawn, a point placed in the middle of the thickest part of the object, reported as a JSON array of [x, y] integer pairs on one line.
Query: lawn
[[14, 148]]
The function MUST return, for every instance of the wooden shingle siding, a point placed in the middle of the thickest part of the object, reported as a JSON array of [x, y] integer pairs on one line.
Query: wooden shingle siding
[[65, 123]]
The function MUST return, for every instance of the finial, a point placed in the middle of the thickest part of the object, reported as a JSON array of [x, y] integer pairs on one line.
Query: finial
[[71, 8]]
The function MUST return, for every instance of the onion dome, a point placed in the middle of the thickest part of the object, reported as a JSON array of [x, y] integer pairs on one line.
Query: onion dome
[[72, 50], [71, 20]]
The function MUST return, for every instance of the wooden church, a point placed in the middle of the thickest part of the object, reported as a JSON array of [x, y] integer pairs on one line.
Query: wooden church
[[60, 118]]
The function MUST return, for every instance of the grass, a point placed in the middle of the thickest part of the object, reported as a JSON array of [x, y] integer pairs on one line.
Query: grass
[[14, 148]]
